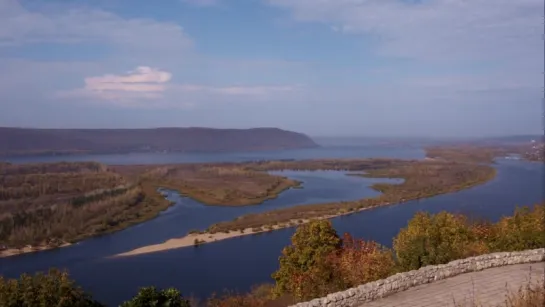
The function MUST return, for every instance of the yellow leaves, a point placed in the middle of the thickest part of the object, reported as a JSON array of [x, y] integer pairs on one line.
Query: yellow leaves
[[435, 239], [432, 239]]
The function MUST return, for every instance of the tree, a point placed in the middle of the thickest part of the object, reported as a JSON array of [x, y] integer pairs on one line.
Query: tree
[[151, 297], [432, 239], [360, 262], [524, 230], [54, 289], [310, 245]]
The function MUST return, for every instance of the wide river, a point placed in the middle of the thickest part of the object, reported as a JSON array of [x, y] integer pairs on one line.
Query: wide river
[[239, 263]]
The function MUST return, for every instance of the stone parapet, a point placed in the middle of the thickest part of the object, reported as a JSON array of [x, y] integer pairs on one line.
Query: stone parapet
[[402, 281]]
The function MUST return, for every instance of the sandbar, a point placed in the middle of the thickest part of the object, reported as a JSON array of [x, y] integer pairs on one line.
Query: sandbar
[[28, 249]]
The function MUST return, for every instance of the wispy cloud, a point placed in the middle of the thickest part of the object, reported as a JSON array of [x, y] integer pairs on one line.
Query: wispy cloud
[[19, 25], [438, 29]]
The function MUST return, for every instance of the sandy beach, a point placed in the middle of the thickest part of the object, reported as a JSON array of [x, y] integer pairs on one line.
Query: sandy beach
[[203, 238], [28, 249]]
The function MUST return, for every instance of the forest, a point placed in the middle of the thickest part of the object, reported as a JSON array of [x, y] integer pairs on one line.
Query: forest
[[47, 205]]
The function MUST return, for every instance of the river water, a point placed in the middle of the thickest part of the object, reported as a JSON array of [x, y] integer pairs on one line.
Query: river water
[[239, 263]]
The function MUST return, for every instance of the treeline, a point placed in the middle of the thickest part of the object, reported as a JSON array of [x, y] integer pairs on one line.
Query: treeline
[[319, 262], [46, 205], [68, 222], [47, 168], [38, 185]]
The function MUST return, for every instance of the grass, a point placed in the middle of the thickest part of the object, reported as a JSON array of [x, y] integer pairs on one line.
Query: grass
[[531, 294]]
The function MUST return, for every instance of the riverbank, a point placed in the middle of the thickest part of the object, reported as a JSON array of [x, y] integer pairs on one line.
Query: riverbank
[[272, 220], [196, 239], [28, 249]]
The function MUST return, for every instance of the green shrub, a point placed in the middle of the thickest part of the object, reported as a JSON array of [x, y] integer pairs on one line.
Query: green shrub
[[524, 230], [432, 239], [52, 289], [151, 297]]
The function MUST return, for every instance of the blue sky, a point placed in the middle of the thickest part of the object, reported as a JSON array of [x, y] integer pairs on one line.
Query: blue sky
[[322, 67]]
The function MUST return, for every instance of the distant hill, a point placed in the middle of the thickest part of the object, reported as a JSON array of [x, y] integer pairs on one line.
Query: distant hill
[[23, 141]]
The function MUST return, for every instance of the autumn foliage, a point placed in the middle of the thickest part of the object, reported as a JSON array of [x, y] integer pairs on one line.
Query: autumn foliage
[[360, 261], [52, 289], [303, 261], [319, 262]]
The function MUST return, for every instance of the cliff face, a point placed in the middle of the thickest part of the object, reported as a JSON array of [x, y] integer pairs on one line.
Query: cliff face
[[19, 141]]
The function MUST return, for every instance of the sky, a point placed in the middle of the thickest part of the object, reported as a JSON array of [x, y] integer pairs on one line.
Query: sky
[[322, 67]]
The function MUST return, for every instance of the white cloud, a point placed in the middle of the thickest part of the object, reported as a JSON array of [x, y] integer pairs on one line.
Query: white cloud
[[142, 79], [19, 25], [142, 83], [461, 51], [465, 29]]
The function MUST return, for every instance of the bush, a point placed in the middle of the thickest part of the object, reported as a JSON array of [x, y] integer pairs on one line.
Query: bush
[[150, 296], [51, 289]]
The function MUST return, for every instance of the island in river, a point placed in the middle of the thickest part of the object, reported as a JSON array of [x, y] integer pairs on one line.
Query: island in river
[[94, 199]]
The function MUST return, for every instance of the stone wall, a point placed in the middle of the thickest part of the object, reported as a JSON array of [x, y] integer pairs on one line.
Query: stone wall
[[402, 281]]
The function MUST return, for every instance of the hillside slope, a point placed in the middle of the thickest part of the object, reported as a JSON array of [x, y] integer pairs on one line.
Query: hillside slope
[[20, 141]]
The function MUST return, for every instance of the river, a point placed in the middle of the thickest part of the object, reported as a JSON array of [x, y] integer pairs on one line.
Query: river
[[242, 262]]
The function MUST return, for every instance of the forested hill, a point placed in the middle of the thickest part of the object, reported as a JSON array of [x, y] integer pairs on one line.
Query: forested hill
[[22, 141]]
